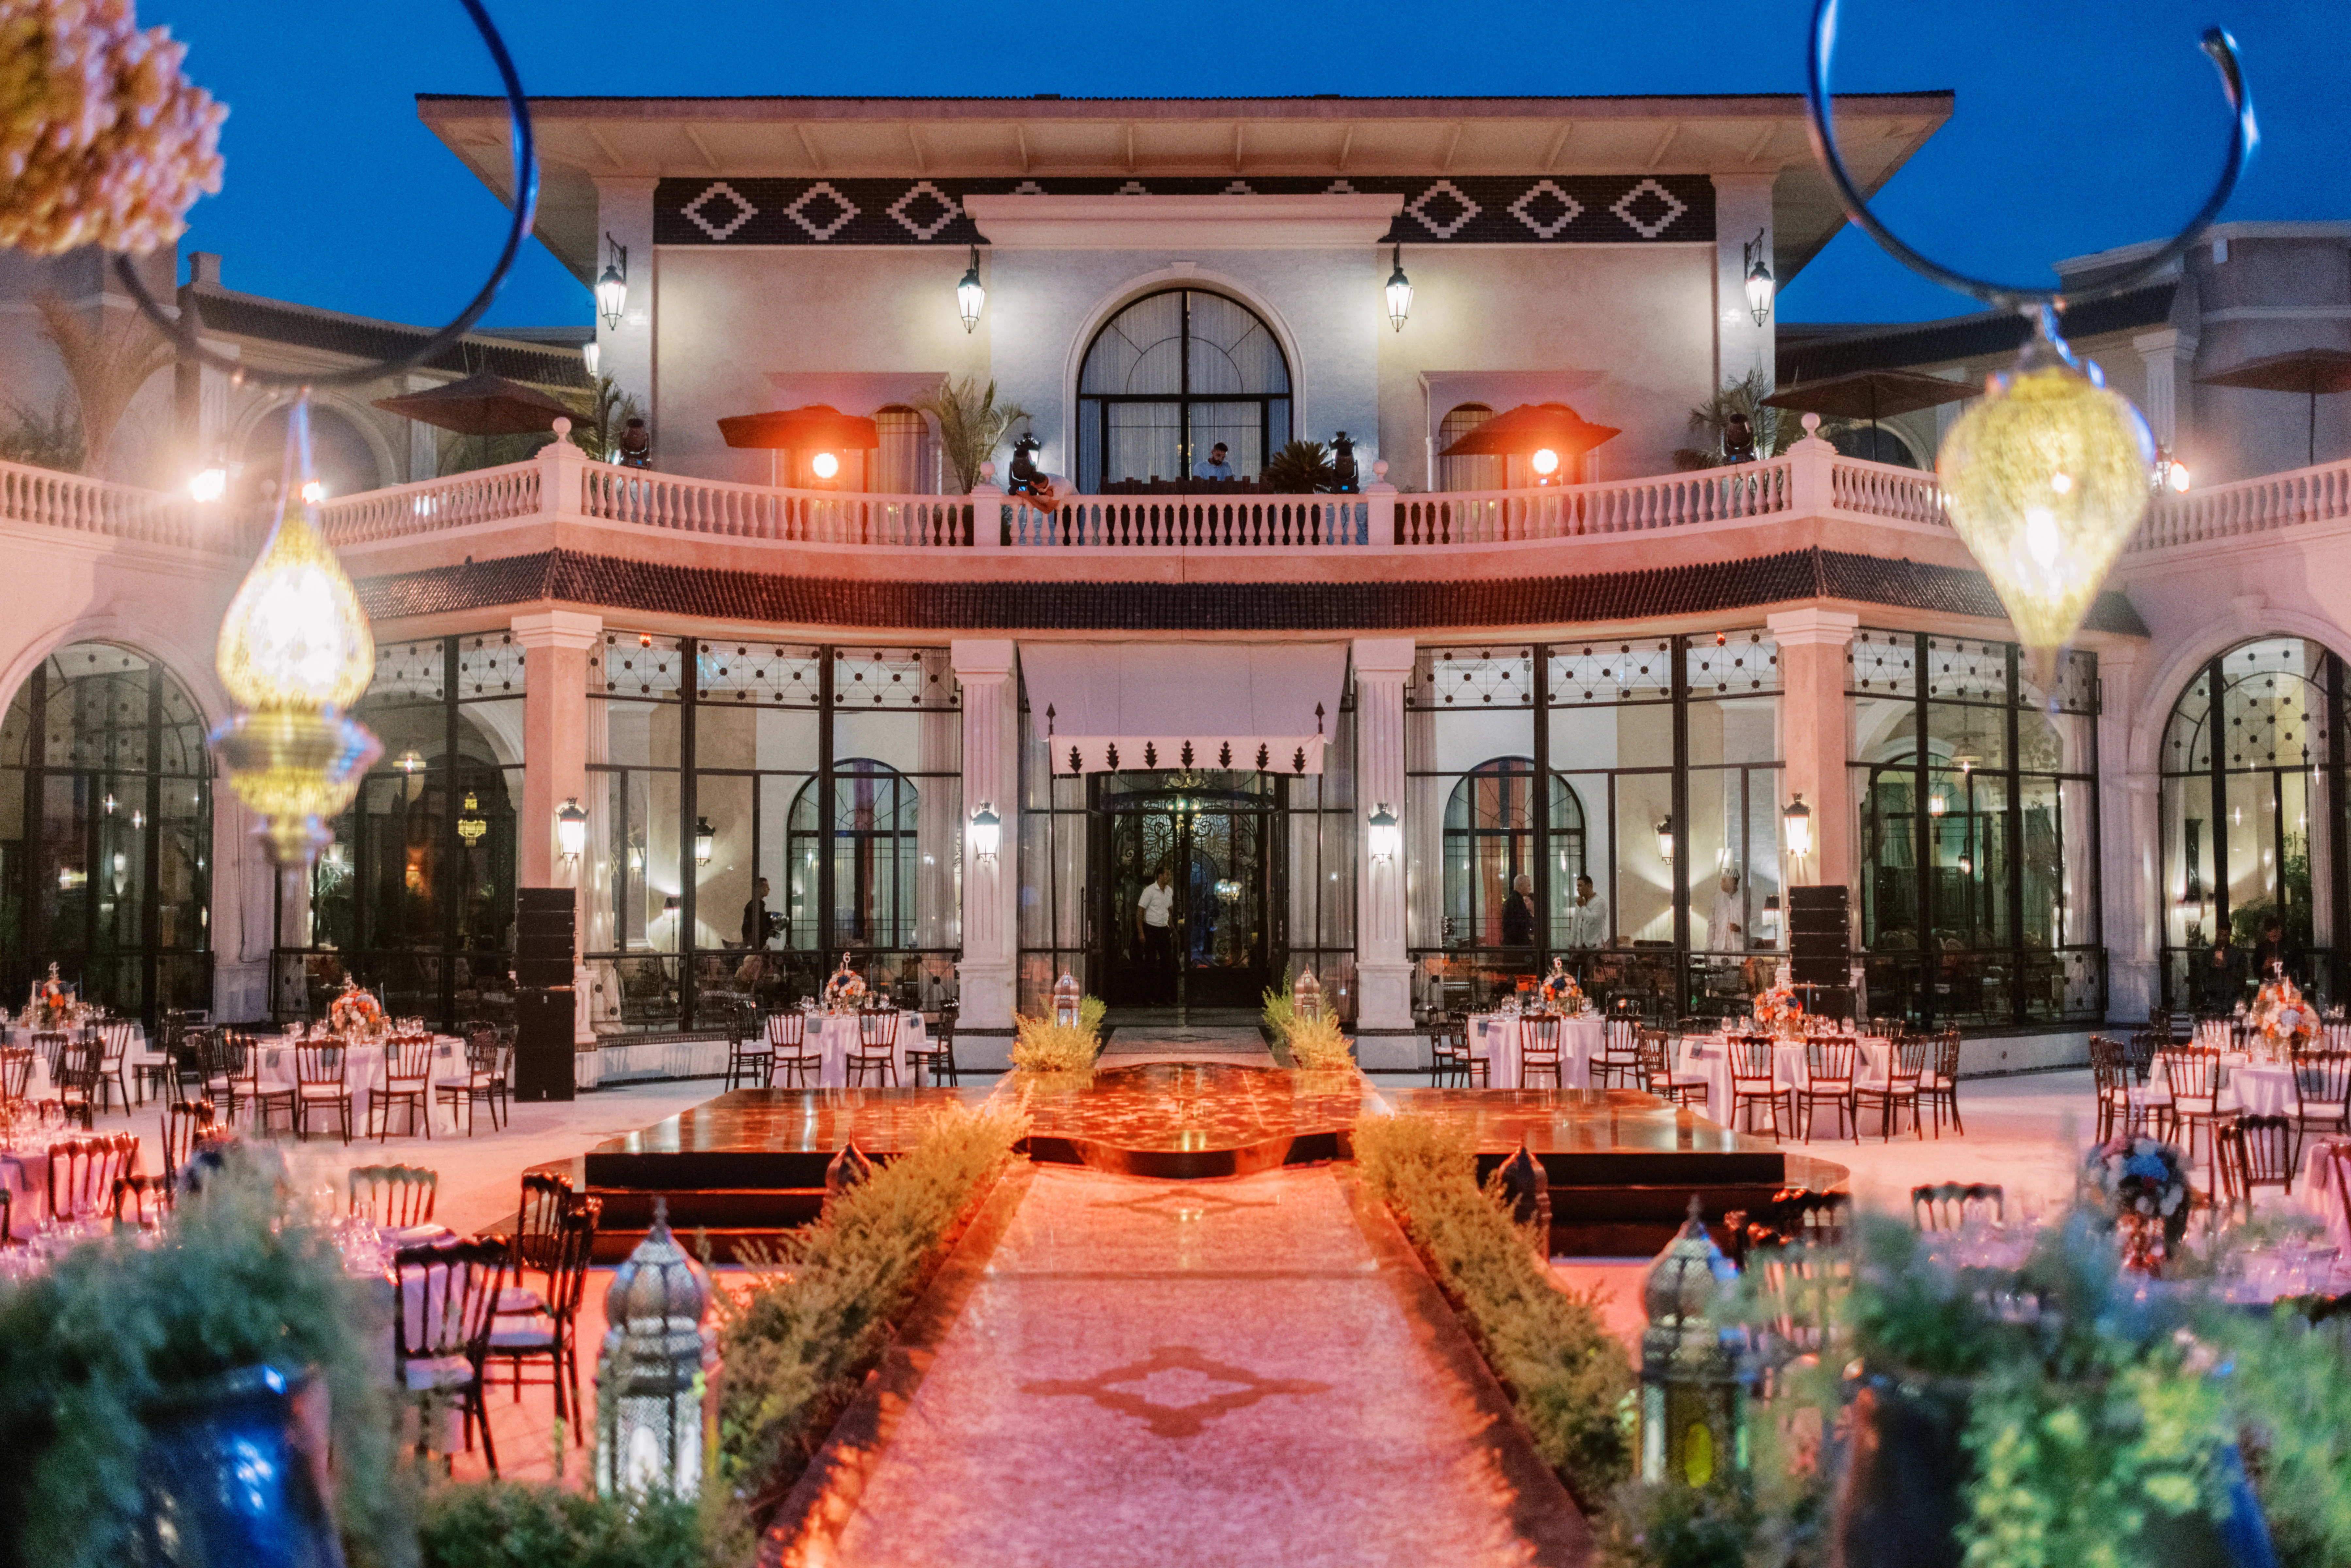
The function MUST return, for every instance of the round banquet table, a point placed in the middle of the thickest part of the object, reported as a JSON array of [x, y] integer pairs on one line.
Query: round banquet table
[[835, 1035], [363, 1074], [1707, 1056], [2263, 1089], [1495, 1037], [137, 1058]]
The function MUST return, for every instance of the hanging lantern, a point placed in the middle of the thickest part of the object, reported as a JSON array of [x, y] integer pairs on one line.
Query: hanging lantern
[[592, 354], [1399, 292], [612, 287], [971, 294], [653, 1374], [1797, 820], [1384, 837], [470, 823], [295, 651], [571, 829], [1759, 279], [1069, 1002], [1692, 1390], [1666, 840], [706, 838], [1306, 995], [2044, 481]]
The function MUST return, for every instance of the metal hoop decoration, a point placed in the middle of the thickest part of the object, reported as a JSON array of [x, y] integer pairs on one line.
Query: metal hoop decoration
[[525, 150], [1821, 121]]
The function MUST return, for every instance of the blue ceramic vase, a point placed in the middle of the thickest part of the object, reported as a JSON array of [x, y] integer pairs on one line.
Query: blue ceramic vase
[[229, 1482]]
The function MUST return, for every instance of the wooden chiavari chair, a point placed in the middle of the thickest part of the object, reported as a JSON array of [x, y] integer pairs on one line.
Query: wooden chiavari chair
[[1951, 1205], [392, 1198], [1538, 1042], [792, 1055], [1755, 1079], [877, 1042]]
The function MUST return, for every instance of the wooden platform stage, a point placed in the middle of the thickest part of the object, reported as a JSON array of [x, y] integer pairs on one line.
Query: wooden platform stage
[[748, 1166]]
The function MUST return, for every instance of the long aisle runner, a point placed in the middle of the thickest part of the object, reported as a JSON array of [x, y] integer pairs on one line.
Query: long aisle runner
[[1168, 1373]]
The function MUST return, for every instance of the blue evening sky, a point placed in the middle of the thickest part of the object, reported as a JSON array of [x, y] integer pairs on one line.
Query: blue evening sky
[[2079, 126]]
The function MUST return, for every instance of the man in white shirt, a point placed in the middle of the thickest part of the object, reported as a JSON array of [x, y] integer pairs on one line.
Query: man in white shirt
[[1154, 928], [1587, 917], [1726, 928]]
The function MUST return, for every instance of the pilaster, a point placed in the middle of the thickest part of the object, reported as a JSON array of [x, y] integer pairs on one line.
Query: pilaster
[[1382, 970], [1743, 207], [987, 976], [1813, 644], [2130, 839], [2168, 352], [555, 644]]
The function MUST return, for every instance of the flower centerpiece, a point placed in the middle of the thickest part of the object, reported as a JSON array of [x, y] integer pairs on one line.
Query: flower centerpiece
[[2142, 1182], [51, 1005], [354, 1012], [1780, 1010], [2283, 1019], [1561, 994], [845, 992]]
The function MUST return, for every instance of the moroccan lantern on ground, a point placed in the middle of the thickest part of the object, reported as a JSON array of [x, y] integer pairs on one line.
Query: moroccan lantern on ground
[[1692, 1388], [1306, 997], [1069, 1002], [2045, 480], [652, 1375]]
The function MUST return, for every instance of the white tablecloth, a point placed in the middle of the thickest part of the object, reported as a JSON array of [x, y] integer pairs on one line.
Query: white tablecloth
[[138, 1057], [1710, 1054], [2322, 1196], [24, 1173], [2262, 1089], [1495, 1037], [364, 1073], [834, 1035]]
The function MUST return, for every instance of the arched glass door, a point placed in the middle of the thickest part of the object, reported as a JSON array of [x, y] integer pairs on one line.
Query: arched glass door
[[1169, 376]]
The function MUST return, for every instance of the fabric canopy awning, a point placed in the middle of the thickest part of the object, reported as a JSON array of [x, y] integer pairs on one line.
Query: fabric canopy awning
[[1104, 706]]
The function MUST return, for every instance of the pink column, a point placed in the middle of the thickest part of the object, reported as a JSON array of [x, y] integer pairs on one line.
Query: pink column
[[1383, 972], [987, 976], [1813, 744], [555, 735]]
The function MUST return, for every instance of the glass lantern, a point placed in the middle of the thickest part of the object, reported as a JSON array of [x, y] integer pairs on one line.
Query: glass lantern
[[653, 1371]]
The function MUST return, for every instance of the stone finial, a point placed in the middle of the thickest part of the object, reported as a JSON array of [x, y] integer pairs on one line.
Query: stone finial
[[562, 427], [1812, 424]]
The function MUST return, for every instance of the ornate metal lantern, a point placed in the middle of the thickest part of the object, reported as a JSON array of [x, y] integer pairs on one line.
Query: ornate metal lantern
[[652, 1375], [1692, 1388], [971, 294], [612, 287], [1069, 1002], [571, 829], [1797, 819], [1306, 997], [1386, 838], [986, 832], [1759, 277], [1399, 292]]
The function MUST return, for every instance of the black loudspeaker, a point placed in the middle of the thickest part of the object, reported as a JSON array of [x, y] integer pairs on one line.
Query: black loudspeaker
[[1820, 926], [545, 922], [543, 1048]]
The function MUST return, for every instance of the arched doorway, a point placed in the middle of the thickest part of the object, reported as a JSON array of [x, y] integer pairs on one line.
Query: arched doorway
[[873, 832], [106, 830], [1171, 375], [2253, 821]]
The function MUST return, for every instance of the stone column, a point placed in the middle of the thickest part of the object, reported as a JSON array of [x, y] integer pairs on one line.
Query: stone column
[[624, 210], [424, 441], [1383, 971], [1813, 744], [2168, 353], [988, 975], [555, 645], [2130, 844], [1742, 206], [938, 824]]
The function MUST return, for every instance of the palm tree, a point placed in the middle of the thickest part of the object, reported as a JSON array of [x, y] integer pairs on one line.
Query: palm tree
[[1712, 417], [972, 425], [105, 364]]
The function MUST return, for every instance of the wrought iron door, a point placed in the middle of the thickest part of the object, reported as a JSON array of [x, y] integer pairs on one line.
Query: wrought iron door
[[1220, 846]]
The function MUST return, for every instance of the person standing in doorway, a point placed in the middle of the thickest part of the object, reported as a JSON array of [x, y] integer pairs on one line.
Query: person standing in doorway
[[1518, 913], [1587, 917], [1217, 467], [757, 924], [1726, 928], [1155, 928]]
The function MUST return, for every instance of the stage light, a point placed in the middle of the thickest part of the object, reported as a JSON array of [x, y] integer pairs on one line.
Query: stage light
[[1545, 462], [824, 465]]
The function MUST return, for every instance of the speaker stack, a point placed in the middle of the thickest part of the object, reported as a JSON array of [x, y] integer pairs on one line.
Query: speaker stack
[[546, 923], [1820, 946]]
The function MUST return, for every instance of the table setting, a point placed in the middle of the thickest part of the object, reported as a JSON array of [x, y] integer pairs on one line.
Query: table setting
[[363, 1067], [833, 1035], [1708, 1055]]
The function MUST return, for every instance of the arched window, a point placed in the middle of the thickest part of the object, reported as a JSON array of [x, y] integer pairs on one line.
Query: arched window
[[106, 830], [1490, 842], [907, 462], [2251, 785], [1468, 472], [1879, 443], [345, 463], [1170, 376], [873, 836]]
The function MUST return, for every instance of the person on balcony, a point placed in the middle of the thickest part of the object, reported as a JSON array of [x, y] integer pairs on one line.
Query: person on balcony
[[1215, 468]]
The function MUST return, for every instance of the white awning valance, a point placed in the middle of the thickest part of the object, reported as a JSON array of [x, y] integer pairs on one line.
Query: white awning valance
[[1104, 706]]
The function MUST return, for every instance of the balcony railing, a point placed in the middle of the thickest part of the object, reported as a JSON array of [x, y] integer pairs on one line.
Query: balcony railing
[[79, 504], [2249, 507]]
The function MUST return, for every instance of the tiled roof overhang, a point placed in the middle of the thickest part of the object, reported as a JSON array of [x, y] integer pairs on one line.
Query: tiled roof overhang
[[1796, 576], [1969, 337], [245, 316]]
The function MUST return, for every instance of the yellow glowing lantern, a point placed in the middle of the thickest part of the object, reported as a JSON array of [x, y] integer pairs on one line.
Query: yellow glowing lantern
[[2045, 480], [295, 651]]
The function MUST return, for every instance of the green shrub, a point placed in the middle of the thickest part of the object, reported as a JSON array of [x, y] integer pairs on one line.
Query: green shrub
[[1566, 1373], [517, 1524], [793, 1348], [240, 1279], [1040, 1045], [1317, 1045]]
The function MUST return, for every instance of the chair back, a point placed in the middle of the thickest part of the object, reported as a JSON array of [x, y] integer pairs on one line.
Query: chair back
[[2191, 1073], [2145, 1044], [84, 1066], [1949, 1205], [83, 1172], [1651, 1043], [447, 1297], [943, 1039], [236, 1058], [184, 1123], [1947, 1054], [1906, 1059], [319, 1064], [2263, 1149], [539, 1232], [407, 1061], [1751, 1067], [118, 1034], [1539, 1038], [15, 1073], [394, 1197], [1620, 1037], [787, 1031], [2323, 1078], [1828, 1061], [575, 1252], [51, 1044], [877, 1029]]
